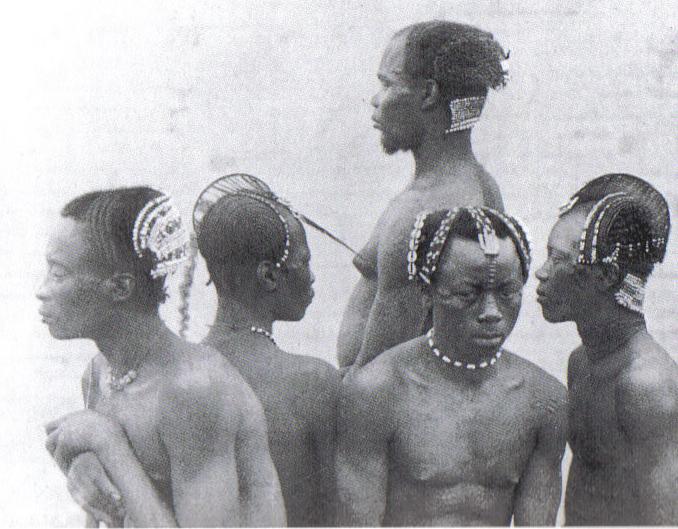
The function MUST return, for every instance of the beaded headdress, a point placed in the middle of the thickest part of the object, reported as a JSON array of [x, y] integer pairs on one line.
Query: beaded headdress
[[421, 265], [240, 184], [159, 231], [628, 225]]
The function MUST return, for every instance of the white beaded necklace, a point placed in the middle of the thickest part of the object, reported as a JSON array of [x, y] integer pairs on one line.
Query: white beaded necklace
[[457, 363], [259, 330]]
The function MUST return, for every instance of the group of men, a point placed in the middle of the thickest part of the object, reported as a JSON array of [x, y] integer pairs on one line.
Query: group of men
[[430, 421]]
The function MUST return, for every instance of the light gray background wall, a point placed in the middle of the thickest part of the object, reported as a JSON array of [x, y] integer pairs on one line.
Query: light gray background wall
[[174, 94]]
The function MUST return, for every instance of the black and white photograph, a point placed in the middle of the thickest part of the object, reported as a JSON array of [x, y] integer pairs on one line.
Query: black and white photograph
[[332, 264]]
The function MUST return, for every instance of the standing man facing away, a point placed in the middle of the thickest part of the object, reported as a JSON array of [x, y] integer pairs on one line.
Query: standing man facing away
[[448, 429], [173, 425], [623, 386], [258, 258], [434, 79]]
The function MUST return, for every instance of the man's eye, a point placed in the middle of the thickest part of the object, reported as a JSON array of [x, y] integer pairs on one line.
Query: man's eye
[[509, 292], [57, 272]]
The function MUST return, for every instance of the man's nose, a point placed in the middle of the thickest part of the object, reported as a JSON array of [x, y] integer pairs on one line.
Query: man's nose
[[374, 101], [312, 278], [490, 310], [541, 273], [42, 292]]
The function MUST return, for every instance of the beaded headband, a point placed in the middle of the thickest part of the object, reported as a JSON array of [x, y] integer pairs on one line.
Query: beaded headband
[[487, 239], [158, 229], [241, 184]]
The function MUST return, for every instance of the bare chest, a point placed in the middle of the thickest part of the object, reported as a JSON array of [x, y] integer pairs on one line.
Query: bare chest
[[593, 433], [485, 441]]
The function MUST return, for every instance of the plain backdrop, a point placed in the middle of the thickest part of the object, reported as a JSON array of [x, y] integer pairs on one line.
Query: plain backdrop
[[175, 94]]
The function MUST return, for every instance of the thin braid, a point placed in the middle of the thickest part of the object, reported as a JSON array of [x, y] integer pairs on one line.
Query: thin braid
[[185, 288], [520, 240]]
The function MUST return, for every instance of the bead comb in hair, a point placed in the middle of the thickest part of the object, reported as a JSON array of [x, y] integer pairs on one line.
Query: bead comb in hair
[[159, 229], [248, 185]]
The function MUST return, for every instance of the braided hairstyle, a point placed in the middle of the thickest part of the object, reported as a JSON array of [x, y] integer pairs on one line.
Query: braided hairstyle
[[627, 223], [109, 218], [238, 232], [432, 231], [464, 60]]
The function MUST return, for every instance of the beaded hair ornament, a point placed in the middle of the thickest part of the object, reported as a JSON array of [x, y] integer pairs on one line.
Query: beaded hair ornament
[[159, 231], [629, 225], [421, 266], [250, 186]]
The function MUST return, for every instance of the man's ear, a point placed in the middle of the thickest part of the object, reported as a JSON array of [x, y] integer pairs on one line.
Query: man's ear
[[432, 95], [120, 286], [267, 275], [610, 276]]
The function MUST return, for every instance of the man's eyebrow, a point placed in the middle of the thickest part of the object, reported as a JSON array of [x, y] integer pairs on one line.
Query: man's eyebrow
[[557, 252]]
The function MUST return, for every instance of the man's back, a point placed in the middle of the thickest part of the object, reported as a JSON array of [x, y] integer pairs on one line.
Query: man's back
[[623, 421], [385, 308], [193, 415], [298, 394]]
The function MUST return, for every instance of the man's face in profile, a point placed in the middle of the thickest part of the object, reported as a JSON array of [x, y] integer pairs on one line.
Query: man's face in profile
[[71, 299], [397, 108], [558, 293]]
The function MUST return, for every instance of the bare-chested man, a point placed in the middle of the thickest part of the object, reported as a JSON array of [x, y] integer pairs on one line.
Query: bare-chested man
[[448, 429], [434, 79], [623, 386], [259, 261], [179, 433]]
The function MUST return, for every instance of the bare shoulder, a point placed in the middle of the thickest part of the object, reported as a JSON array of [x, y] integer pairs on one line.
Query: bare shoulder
[[374, 383], [543, 387], [576, 364], [203, 390], [647, 391], [316, 380]]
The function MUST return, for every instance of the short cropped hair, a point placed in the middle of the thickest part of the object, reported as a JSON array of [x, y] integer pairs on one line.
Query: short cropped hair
[[464, 60], [109, 218]]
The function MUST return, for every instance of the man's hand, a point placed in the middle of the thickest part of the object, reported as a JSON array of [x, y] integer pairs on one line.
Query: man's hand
[[91, 488], [78, 432]]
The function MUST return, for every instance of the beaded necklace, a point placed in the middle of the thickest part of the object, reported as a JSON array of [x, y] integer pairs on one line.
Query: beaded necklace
[[457, 363], [264, 332]]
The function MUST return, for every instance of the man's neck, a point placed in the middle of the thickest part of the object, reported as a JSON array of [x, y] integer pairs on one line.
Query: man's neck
[[604, 332], [130, 337], [233, 315], [438, 151]]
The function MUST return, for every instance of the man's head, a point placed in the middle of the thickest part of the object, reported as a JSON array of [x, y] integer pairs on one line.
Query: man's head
[[473, 263], [109, 252], [256, 250], [603, 248], [424, 67]]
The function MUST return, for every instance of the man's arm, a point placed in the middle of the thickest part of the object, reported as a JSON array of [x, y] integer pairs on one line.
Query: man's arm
[[354, 321], [324, 442], [89, 431], [362, 455], [214, 431], [87, 481], [537, 496], [261, 501], [398, 314], [647, 412]]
